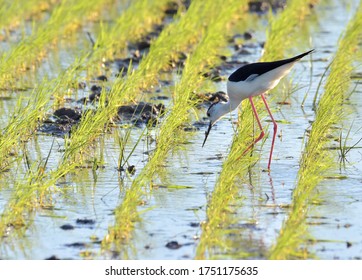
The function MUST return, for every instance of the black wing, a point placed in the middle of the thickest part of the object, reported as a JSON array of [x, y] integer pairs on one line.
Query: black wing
[[260, 68]]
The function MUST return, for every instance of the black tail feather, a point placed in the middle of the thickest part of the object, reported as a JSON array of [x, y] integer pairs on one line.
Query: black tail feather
[[302, 55]]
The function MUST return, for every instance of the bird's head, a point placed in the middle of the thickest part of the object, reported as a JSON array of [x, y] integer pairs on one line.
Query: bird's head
[[214, 113]]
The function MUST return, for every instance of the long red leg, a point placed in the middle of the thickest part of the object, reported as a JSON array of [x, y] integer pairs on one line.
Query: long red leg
[[259, 124], [258, 121], [275, 129]]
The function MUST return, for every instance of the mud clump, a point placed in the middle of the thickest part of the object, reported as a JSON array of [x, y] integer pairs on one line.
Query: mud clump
[[53, 258], [141, 113], [67, 115], [102, 78], [62, 120], [67, 227], [96, 93], [76, 245], [262, 7], [173, 245], [85, 221]]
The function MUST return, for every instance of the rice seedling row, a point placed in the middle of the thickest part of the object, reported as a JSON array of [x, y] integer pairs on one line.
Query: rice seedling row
[[118, 176], [14, 13], [28, 53], [75, 144], [55, 88], [155, 58], [124, 90], [236, 167], [171, 134], [85, 129], [67, 80], [25, 124], [317, 160]]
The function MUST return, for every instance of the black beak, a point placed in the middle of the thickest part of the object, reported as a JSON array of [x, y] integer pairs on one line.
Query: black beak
[[207, 133]]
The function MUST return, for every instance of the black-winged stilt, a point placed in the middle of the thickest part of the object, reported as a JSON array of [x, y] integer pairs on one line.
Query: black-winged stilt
[[249, 81]]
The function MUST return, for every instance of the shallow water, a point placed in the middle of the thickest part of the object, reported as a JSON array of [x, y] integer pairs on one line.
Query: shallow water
[[174, 213]]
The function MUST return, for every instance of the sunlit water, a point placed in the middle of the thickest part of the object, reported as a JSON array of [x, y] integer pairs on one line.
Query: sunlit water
[[173, 214]]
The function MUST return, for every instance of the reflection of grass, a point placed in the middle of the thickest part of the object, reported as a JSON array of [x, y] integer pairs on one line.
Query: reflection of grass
[[220, 14], [316, 159], [235, 168]]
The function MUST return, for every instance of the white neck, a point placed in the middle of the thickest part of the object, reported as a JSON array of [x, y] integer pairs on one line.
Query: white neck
[[222, 108]]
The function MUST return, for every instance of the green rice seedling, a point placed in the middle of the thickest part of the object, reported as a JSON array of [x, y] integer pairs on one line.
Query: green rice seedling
[[320, 84], [169, 42], [344, 149], [225, 191], [23, 123], [14, 13], [294, 14], [236, 167], [139, 19], [310, 82], [176, 38], [127, 30], [156, 59], [29, 114], [29, 52], [28, 196], [316, 159], [122, 142], [20, 128], [184, 93], [40, 185], [135, 22], [170, 135], [68, 77]]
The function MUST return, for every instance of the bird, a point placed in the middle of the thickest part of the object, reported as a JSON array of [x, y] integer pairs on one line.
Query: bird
[[248, 81]]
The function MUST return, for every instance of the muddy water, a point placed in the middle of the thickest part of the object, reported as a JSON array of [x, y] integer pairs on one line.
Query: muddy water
[[84, 209]]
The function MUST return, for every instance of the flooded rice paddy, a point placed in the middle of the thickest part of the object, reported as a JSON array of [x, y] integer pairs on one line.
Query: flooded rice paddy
[[77, 218]]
